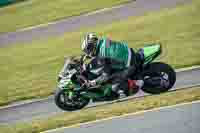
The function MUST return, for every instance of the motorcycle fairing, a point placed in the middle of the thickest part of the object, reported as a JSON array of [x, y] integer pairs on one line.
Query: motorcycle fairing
[[151, 52]]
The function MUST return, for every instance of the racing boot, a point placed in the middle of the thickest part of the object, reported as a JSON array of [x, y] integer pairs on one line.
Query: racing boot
[[116, 89]]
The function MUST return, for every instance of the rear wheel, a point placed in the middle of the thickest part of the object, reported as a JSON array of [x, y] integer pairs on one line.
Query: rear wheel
[[63, 101], [158, 77]]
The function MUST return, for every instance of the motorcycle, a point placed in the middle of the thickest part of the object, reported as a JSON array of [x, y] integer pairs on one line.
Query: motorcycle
[[72, 93]]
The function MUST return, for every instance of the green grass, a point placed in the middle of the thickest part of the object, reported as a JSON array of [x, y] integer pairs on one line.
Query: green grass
[[34, 12], [30, 70], [91, 114]]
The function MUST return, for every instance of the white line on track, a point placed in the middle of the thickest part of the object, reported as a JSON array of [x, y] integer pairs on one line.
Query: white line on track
[[58, 21], [188, 68], [125, 115]]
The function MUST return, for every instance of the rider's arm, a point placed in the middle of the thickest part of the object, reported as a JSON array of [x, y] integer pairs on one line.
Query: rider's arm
[[104, 67]]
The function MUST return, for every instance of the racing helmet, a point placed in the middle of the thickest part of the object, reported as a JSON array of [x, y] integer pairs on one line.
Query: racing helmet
[[89, 44]]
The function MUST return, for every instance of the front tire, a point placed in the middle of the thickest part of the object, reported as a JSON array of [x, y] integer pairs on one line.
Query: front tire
[[64, 104], [158, 69]]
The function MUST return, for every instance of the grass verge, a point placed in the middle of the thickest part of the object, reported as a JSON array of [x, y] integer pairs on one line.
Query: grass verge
[[35, 12], [30, 70], [106, 111]]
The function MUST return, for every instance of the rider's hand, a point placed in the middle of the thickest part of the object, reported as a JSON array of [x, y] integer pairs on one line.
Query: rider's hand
[[91, 83]]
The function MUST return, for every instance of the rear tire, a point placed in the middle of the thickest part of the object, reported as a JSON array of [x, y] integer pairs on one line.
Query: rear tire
[[155, 68], [68, 107]]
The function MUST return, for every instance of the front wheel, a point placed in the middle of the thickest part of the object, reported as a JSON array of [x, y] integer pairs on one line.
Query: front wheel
[[158, 77], [65, 102]]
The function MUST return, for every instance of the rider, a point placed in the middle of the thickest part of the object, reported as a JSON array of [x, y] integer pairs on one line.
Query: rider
[[111, 55]]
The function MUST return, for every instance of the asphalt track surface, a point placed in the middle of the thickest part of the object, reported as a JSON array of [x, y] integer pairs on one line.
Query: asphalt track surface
[[46, 108], [135, 8], [178, 119]]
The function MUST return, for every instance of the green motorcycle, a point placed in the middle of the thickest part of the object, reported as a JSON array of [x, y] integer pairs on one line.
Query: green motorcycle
[[73, 94]]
